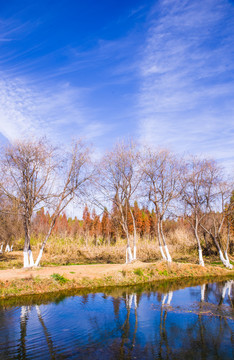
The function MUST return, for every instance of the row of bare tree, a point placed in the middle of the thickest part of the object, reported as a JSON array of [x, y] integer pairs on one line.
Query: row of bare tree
[[34, 175]]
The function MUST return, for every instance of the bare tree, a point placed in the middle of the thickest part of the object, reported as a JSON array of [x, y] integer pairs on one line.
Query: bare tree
[[230, 223], [34, 175], [218, 212], [10, 223], [26, 168], [161, 186], [118, 181], [73, 176], [198, 181]]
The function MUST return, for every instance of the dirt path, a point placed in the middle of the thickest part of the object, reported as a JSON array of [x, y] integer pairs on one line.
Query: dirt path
[[17, 282], [69, 271]]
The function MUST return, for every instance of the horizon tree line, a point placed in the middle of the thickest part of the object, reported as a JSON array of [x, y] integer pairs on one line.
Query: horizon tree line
[[35, 176]]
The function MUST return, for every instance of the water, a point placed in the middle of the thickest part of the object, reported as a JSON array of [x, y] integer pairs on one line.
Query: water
[[166, 321]]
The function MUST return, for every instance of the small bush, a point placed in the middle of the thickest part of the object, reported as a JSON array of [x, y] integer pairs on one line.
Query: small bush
[[61, 279], [138, 272]]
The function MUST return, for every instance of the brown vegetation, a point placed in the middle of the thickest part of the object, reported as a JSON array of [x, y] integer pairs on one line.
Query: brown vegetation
[[146, 198], [49, 279]]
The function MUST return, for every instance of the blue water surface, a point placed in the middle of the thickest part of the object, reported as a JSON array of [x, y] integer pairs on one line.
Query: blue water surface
[[193, 322]]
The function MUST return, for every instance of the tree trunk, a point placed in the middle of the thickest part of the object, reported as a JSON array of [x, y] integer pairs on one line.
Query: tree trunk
[[216, 243], [128, 254], [45, 241], [227, 246], [26, 242], [164, 242], [7, 248], [26, 250], [159, 240], [128, 249], [224, 261], [30, 254], [134, 235], [201, 261]]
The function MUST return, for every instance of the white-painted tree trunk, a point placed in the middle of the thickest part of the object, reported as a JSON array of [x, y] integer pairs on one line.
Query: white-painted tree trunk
[[28, 259], [1, 249], [39, 258], [203, 288], [30, 254], [11, 247], [128, 255], [226, 256], [167, 254], [201, 261], [26, 262], [224, 261], [228, 261], [162, 253], [7, 248], [134, 235]]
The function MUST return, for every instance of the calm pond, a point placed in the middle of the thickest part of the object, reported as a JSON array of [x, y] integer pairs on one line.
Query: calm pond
[[164, 321]]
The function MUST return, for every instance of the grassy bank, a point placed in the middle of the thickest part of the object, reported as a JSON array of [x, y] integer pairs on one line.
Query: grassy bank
[[68, 278]]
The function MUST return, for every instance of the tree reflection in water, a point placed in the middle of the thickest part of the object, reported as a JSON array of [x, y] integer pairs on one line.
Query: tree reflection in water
[[131, 302], [24, 317], [192, 323]]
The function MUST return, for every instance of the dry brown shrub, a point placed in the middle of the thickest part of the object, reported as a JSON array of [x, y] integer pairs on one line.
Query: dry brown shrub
[[67, 250]]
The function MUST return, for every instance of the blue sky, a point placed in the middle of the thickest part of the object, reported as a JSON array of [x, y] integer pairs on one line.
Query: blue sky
[[158, 71]]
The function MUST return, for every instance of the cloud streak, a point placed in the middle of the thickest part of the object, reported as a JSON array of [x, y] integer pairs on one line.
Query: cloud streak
[[57, 112], [186, 93]]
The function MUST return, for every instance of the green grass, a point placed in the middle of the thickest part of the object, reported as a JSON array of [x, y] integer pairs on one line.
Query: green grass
[[61, 279], [164, 272], [138, 272]]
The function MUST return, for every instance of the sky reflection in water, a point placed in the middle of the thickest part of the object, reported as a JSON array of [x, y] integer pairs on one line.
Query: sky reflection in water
[[134, 323]]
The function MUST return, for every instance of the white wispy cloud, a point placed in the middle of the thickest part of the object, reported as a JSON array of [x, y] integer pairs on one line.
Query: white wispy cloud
[[186, 92], [55, 111], [37, 99]]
